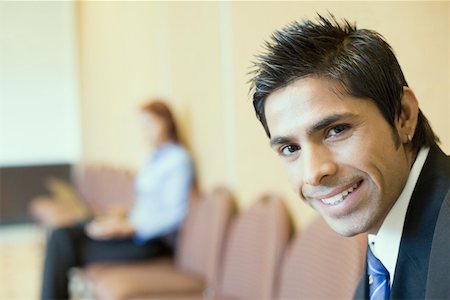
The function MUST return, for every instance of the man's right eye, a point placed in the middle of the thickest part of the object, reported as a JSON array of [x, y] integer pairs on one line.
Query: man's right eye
[[288, 150]]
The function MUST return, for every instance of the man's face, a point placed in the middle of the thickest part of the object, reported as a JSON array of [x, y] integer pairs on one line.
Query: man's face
[[339, 152]]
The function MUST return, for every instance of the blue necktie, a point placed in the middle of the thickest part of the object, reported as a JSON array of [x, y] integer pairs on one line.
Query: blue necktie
[[379, 284]]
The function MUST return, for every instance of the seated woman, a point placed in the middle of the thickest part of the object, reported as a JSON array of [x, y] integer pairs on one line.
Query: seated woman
[[163, 187]]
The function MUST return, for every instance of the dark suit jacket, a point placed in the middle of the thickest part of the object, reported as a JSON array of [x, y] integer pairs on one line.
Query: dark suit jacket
[[423, 264]]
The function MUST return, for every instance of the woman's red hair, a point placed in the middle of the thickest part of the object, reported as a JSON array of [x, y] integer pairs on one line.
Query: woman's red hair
[[160, 109]]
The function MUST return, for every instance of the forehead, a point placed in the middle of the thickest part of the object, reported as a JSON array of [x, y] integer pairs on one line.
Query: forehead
[[307, 101], [149, 118]]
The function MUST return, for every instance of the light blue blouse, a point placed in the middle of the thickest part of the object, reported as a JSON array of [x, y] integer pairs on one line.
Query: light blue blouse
[[163, 187]]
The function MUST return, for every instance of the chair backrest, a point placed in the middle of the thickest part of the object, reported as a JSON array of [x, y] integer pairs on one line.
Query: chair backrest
[[104, 187], [320, 264], [202, 234], [255, 243]]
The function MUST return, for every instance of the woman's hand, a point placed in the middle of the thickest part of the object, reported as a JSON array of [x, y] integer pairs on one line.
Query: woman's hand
[[109, 227]]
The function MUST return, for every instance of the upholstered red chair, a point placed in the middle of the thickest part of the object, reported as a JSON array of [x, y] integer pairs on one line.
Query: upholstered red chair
[[104, 187], [94, 190], [254, 247], [320, 264], [193, 270]]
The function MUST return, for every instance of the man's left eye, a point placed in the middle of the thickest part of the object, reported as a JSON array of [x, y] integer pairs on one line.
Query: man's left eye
[[337, 130]]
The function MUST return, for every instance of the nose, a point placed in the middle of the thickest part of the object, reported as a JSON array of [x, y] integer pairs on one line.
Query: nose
[[318, 163]]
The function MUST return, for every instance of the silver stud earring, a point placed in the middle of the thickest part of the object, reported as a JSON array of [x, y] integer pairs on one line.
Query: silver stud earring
[[409, 137]]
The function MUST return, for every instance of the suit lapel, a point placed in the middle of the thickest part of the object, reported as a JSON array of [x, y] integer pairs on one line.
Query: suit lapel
[[438, 286], [362, 290], [415, 247], [423, 261]]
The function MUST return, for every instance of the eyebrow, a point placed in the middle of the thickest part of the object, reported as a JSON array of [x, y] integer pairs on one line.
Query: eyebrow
[[315, 128], [279, 140], [327, 122]]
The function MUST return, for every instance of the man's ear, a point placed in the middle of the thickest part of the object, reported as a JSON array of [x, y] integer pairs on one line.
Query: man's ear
[[407, 121]]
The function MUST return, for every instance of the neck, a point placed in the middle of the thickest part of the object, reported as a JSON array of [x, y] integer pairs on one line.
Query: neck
[[163, 143], [411, 155]]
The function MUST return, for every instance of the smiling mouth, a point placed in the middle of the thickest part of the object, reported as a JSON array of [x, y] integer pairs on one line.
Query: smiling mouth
[[338, 198]]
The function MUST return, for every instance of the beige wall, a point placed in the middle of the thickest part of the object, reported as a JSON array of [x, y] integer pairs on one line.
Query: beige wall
[[198, 54], [133, 51]]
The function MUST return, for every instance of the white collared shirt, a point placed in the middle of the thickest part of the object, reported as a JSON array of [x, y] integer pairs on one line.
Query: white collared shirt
[[385, 244], [162, 189]]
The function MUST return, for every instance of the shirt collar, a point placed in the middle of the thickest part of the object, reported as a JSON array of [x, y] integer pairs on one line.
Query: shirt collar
[[160, 150], [385, 244]]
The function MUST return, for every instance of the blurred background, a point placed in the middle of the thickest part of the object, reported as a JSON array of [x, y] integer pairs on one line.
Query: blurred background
[[73, 74]]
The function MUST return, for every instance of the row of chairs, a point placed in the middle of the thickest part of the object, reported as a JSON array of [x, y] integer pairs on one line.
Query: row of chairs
[[223, 254]]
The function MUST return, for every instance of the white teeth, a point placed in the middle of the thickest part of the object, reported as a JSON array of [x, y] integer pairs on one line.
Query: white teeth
[[338, 198], [334, 200]]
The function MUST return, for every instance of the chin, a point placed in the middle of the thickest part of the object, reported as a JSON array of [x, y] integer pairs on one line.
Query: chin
[[346, 228]]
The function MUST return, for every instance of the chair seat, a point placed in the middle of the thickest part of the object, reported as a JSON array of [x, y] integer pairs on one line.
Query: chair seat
[[157, 277], [192, 271]]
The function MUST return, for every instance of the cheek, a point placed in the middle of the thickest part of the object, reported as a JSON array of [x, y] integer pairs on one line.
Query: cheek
[[154, 132], [365, 155], [161, 130], [384, 167], [294, 175], [354, 150]]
